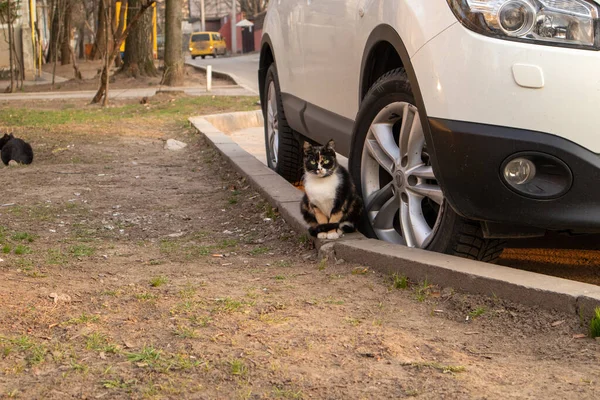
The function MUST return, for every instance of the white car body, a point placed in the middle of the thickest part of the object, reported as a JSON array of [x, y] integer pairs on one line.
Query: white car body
[[462, 75], [482, 100]]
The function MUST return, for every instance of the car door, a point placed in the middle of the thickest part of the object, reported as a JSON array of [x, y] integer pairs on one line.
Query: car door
[[284, 21], [331, 59]]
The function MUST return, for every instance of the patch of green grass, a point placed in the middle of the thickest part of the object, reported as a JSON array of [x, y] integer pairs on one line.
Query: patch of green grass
[[238, 367], [477, 312], [280, 277], [331, 300], [82, 250], [287, 393], [283, 264], [322, 264], [148, 355], [21, 249], [303, 239], [227, 243], [259, 250], [227, 304], [353, 321], [180, 362], [595, 324], [422, 291], [79, 367], [158, 281], [360, 271], [177, 110], [185, 332], [435, 365], [34, 353], [56, 257], [98, 341], [83, 319], [118, 383], [145, 296], [399, 281], [270, 212], [6, 249], [23, 236]]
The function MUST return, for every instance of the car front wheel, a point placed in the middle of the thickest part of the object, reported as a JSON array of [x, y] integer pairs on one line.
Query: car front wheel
[[393, 171], [283, 146]]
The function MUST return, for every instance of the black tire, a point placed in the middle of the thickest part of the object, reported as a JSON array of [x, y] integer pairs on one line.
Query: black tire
[[193, 57], [290, 153], [455, 235], [203, 57]]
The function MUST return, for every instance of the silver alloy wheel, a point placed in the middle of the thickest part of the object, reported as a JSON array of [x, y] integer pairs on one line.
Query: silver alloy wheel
[[403, 200], [272, 125]]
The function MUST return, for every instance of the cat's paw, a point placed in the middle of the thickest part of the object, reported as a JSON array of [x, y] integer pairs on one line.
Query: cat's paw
[[333, 235], [322, 235]]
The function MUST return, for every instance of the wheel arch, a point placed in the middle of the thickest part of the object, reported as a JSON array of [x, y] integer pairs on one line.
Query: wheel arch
[[267, 57], [384, 51]]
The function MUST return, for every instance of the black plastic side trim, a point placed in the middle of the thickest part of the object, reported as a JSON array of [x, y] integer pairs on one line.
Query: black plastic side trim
[[294, 108], [318, 124], [324, 125]]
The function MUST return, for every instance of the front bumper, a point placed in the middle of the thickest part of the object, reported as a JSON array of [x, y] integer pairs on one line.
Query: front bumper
[[465, 76], [468, 158]]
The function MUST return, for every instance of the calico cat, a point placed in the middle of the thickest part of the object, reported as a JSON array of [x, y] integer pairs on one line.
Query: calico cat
[[15, 149], [330, 205]]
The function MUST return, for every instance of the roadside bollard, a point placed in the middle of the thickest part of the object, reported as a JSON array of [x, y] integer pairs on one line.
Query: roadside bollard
[[209, 78]]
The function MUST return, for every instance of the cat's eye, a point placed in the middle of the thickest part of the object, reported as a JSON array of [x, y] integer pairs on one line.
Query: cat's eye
[[312, 162], [325, 162]]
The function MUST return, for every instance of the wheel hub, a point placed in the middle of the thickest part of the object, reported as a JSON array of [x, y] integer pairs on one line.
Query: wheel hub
[[400, 180], [403, 200]]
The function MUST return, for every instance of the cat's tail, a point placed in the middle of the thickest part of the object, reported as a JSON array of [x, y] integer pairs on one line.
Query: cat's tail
[[347, 227]]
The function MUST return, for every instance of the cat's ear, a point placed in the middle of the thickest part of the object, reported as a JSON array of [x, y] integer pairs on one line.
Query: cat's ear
[[330, 145], [307, 147]]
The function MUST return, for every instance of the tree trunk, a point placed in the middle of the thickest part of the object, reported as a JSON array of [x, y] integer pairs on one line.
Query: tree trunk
[[100, 44], [174, 64], [118, 39], [11, 40], [65, 46], [138, 60], [81, 43], [54, 29]]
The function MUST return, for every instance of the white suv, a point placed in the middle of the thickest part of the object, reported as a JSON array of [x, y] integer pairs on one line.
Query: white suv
[[465, 121]]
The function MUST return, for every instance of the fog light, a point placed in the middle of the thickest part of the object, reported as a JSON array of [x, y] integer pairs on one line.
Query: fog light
[[536, 175], [519, 171]]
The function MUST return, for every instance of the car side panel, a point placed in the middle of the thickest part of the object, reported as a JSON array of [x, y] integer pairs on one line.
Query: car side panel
[[337, 86], [282, 27]]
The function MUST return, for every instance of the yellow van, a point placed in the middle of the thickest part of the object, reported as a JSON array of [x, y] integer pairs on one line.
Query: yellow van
[[207, 44]]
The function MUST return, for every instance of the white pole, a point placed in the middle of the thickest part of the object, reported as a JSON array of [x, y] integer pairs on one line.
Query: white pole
[[233, 27], [209, 78], [203, 19]]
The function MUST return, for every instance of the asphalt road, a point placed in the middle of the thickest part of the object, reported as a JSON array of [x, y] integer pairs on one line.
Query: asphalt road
[[243, 68]]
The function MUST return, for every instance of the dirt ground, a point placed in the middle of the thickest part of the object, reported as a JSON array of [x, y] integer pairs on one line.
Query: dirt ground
[[90, 71], [131, 271]]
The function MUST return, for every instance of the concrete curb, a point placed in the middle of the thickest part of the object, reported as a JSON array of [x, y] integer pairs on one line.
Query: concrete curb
[[467, 276]]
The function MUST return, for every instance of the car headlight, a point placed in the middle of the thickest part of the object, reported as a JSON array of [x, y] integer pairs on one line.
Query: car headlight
[[191, 48], [569, 23]]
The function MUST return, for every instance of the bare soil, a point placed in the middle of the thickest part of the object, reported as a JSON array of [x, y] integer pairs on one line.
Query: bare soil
[[131, 271], [90, 71]]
